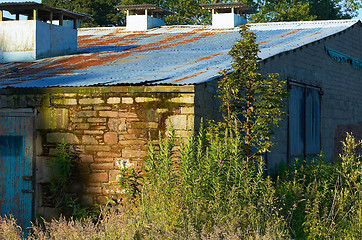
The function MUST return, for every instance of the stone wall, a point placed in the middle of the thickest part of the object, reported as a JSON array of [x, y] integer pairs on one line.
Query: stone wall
[[108, 126]]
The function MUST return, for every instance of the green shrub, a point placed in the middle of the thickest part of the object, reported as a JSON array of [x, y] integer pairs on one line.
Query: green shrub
[[188, 193], [204, 184], [62, 168], [322, 200]]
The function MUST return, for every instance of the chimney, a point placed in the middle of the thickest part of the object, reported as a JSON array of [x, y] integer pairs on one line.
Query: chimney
[[228, 15], [38, 37], [143, 17]]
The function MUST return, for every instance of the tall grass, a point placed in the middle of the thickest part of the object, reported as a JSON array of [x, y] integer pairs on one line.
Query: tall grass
[[321, 200], [205, 184], [203, 189]]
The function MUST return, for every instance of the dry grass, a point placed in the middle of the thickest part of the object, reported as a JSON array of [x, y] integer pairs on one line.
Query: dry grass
[[9, 229], [119, 223]]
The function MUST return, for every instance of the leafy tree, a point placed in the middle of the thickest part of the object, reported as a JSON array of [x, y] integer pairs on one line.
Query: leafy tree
[[305, 10], [250, 99], [334, 9], [286, 10], [189, 11], [103, 12]]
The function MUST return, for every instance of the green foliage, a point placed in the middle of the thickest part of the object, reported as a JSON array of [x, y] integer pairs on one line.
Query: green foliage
[[334, 9], [204, 184], [305, 10], [131, 181], [61, 168], [103, 12], [283, 11], [189, 12], [201, 190], [323, 201], [250, 99]]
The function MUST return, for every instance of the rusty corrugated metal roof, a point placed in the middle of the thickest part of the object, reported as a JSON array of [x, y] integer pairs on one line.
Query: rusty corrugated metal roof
[[168, 55]]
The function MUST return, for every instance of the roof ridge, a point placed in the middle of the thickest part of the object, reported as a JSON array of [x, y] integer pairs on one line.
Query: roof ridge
[[308, 22]]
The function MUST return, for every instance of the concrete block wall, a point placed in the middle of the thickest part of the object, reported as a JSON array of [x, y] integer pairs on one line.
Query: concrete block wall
[[108, 126], [28, 40], [207, 104], [341, 84]]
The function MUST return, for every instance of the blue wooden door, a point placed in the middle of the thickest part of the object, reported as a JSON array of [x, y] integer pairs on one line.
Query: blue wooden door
[[16, 168]]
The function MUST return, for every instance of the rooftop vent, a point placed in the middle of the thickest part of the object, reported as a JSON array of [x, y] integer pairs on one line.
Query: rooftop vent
[[143, 17], [38, 37], [228, 15]]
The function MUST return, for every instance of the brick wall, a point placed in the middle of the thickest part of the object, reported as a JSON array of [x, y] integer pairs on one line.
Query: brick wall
[[107, 126]]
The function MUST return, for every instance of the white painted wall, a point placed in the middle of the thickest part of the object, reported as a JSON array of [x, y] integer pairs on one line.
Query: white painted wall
[[227, 20], [54, 40], [25, 41], [17, 41], [142, 22]]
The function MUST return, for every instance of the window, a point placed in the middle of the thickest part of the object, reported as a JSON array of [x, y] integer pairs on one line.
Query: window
[[304, 120]]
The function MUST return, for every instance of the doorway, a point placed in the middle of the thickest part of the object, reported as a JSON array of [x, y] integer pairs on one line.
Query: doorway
[[16, 164]]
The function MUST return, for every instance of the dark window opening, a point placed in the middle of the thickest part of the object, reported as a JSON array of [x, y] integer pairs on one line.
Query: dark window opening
[[304, 120], [11, 146]]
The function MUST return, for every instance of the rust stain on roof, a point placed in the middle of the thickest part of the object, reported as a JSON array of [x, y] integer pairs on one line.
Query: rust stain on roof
[[292, 32], [110, 39], [192, 39], [190, 76], [208, 57], [316, 33], [84, 36], [68, 64], [88, 40]]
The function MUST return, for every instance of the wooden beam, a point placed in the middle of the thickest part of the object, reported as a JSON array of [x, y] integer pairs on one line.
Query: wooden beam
[[1, 15], [61, 19], [35, 14], [17, 16], [51, 17], [75, 21]]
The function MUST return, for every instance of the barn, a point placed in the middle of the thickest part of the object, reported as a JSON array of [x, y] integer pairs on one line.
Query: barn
[[120, 86]]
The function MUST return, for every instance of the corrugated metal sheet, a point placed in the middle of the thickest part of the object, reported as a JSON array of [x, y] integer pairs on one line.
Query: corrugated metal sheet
[[168, 55]]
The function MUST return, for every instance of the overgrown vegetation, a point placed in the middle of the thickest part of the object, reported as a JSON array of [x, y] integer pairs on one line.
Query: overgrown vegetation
[[202, 190], [252, 102], [62, 167]]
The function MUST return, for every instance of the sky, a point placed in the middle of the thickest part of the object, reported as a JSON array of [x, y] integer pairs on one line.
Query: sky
[[360, 14], [39, 1]]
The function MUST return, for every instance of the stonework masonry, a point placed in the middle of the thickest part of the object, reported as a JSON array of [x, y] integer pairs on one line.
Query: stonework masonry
[[107, 126]]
